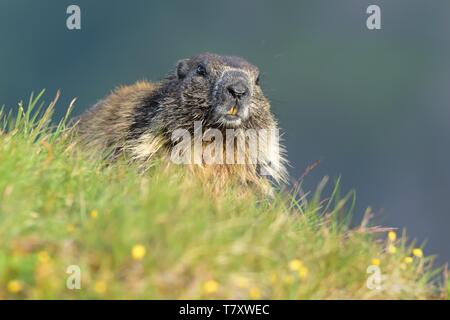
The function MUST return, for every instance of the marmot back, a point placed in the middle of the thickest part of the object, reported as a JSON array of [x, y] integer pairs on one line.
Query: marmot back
[[108, 122], [221, 94]]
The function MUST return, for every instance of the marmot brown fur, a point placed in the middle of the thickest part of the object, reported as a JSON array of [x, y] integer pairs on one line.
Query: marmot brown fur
[[218, 92]]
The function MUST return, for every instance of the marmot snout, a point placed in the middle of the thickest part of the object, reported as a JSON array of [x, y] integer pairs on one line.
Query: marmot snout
[[221, 93]]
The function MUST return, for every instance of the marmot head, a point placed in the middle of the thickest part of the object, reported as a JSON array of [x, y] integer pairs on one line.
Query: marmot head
[[222, 91]]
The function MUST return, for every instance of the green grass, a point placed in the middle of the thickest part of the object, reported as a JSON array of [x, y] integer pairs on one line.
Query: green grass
[[60, 208]]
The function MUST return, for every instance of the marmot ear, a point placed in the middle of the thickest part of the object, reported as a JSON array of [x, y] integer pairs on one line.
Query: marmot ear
[[182, 68]]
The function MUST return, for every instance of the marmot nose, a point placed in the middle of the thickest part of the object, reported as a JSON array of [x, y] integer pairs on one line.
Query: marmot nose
[[237, 90]]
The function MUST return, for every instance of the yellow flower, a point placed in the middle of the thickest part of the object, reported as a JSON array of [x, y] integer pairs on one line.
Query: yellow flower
[[288, 279], [94, 214], [138, 252], [392, 249], [295, 265], [408, 260], [43, 256], [43, 270], [70, 228], [15, 286], [273, 278], [303, 272], [210, 287], [242, 282], [392, 236], [376, 262], [254, 293], [418, 252], [100, 287]]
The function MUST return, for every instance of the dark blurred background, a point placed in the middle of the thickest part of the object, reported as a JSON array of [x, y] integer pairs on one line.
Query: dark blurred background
[[372, 106]]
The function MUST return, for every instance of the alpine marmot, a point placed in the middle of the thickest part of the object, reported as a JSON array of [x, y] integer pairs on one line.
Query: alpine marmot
[[219, 94]]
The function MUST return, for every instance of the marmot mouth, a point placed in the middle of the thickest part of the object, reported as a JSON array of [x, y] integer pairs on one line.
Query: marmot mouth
[[230, 121], [230, 114]]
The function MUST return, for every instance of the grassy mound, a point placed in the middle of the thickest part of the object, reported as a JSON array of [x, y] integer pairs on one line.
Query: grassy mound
[[164, 235]]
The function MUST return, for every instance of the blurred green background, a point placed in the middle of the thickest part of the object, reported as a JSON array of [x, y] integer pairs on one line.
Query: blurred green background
[[373, 106]]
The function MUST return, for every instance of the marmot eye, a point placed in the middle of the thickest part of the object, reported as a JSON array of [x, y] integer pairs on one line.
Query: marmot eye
[[201, 70], [257, 81]]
